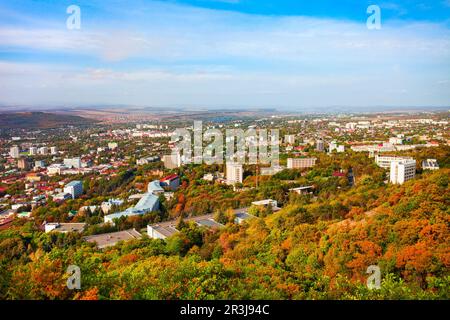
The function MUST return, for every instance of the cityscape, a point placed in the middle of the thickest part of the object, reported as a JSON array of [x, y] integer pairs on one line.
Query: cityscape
[[177, 161]]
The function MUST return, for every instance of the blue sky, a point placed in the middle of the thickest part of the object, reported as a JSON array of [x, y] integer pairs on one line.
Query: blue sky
[[225, 53]]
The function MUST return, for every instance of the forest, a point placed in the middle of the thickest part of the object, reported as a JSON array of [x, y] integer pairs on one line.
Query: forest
[[318, 246]]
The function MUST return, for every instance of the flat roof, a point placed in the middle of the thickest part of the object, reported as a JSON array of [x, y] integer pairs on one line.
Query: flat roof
[[110, 239], [244, 215], [263, 202], [73, 183], [209, 223], [166, 231], [68, 227]]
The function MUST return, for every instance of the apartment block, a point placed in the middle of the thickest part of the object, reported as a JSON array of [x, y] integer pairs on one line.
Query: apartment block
[[301, 163], [402, 171]]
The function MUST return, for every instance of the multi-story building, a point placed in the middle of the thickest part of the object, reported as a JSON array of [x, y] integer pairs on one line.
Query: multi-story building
[[56, 168], [14, 152], [73, 163], [112, 145], [289, 139], [172, 161], [402, 171], [39, 164], [23, 164], [319, 145], [430, 164], [53, 150], [74, 188], [385, 161], [43, 151], [269, 171], [33, 151], [301, 163], [234, 173]]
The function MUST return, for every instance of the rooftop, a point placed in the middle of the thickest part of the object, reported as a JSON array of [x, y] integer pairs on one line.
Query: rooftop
[[110, 239], [68, 227]]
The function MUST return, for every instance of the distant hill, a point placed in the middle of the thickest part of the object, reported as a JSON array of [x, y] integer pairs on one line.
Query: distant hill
[[40, 120]]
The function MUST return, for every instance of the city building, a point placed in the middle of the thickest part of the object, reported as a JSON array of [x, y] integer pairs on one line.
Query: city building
[[240, 217], [301, 163], [112, 145], [172, 161], [395, 140], [33, 177], [53, 150], [149, 202], [74, 188], [320, 145], [172, 181], [334, 146], [108, 205], [430, 164], [23, 164], [155, 188], [289, 139], [302, 190], [208, 177], [14, 152], [43, 151], [266, 203], [402, 171], [270, 171], [146, 160], [234, 173], [163, 230], [33, 151], [64, 227], [39, 164], [56, 168], [73, 163], [110, 239], [157, 231], [385, 161]]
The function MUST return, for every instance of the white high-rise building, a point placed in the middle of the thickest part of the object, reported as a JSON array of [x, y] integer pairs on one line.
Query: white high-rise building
[[234, 173], [14, 152], [402, 171], [385, 161], [33, 151], [54, 150]]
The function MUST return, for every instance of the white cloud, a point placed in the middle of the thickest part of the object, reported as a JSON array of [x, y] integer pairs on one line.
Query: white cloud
[[223, 58], [188, 34]]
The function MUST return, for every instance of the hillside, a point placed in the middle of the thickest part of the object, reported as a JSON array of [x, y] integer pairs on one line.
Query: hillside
[[39, 120], [296, 253]]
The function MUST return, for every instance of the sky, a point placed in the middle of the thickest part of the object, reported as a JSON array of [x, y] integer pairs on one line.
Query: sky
[[285, 54]]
